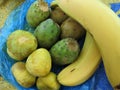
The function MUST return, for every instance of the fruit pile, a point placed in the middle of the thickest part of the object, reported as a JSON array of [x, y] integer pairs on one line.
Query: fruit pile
[[55, 40], [58, 29], [104, 26]]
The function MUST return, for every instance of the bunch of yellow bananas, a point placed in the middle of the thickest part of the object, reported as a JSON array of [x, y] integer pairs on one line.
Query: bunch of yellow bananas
[[102, 41]]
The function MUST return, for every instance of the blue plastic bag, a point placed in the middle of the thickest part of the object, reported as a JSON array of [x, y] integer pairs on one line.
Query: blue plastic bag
[[17, 20]]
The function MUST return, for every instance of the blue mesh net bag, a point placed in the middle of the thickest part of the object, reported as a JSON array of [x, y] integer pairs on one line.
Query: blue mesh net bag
[[17, 20]]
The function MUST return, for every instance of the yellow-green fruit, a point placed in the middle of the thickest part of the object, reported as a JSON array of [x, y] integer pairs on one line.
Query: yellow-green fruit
[[22, 76], [39, 62], [20, 44], [48, 82], [38, 12]]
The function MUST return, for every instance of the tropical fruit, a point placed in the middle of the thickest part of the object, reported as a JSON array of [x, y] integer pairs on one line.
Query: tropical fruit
[[38, 12], [71, 28], [22, 76], [39, 62], [47, 33], [58, 15], [20, 44], [105, 29], [48, 82], [65, 51]]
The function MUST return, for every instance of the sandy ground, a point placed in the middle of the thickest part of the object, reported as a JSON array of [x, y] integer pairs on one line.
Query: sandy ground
[[6, 7]]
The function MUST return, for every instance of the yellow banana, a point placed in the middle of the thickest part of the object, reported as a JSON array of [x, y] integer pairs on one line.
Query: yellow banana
[[84, 67], [89, 58], [104, 25]]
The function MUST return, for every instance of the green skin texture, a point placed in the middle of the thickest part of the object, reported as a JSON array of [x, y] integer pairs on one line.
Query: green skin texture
[[47, 33], [20, 44], [65, 51], [35, 15]]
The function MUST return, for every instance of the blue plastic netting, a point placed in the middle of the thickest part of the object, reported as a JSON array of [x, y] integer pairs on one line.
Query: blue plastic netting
[[17, 20]]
